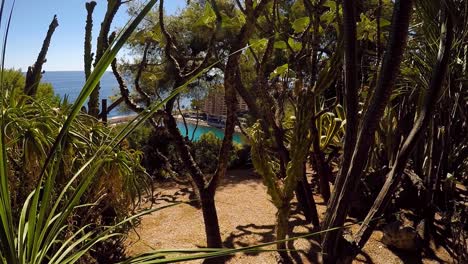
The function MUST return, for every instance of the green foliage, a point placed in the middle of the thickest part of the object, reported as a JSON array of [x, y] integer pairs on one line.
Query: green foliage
[[330, 16], [295, 45], [29, 137], [14, 81], [65, 163], [280, 45], [265, 165], [45, 91], [206, 150], [207, 19], [300, 24], [139, 137], [280, 71], [281, 188], [330, 127], [367, 28]]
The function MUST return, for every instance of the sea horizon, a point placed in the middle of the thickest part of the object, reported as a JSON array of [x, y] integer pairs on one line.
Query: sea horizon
[[70, 83]]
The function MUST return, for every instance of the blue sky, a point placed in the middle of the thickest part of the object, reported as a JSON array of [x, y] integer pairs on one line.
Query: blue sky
[[31, 19]]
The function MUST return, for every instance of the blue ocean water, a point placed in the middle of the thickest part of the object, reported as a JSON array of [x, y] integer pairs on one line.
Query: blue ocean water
[[70, 83]]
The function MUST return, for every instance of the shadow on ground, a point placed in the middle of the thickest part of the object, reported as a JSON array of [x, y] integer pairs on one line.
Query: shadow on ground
[[252, 234]]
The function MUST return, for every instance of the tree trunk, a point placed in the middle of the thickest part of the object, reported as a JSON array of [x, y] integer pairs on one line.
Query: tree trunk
[[34, 73], [320, 165], [430, 100], [306, 201], [347, 184], [210, 217], [88, 56], [102, 44], [282, 225]]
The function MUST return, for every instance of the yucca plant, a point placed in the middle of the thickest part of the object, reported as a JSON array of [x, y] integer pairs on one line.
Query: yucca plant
[[38, 236]]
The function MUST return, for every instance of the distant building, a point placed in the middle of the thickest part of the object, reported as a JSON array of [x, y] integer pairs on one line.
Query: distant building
[[214, 104], [215, 107]]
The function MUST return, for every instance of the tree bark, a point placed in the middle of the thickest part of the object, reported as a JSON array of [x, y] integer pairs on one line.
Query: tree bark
[[319, 164], [346, 186], [282, 224], [34, 73], [88, 55], [351, 103], [394, 176], [306, 201], [210, 217], [102, 45]]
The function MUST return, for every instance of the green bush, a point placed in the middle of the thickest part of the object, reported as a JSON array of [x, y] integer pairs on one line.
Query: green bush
[[14, 82], [139, 137], [29, 136], [206, 150]]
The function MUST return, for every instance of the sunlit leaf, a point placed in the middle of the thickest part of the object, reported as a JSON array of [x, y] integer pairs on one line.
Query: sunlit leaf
[[281, 70], [280, 45], [300, 24], [208, 18], [295, 45]]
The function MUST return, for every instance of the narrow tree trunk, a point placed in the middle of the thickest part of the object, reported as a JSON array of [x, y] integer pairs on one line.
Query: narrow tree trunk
[[210, 217], [310, 198], [306, 201], [88, 55], [320, 165], [350, 93], [282, 225], [393, 177], [34, 73], [350, 87], [102, 45], [346, 186], [324, 173]]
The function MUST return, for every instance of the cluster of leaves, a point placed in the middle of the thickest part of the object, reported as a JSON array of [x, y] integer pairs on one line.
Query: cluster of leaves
[[32, 126], [14, 81], [206, 150]]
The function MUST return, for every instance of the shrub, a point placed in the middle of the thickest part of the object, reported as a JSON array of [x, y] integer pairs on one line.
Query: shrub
[[206, 150], [14, 82]]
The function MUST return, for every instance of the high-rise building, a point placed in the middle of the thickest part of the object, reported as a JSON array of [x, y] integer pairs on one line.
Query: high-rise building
[[214, 105]]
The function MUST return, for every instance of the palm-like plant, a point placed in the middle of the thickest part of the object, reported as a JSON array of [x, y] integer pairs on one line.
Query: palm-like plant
[[51, 143]]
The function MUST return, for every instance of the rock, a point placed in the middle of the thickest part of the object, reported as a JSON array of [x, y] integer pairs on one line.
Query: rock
[[401, 236]]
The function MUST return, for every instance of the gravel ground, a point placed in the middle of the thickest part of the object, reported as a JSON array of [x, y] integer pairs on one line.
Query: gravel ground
[[246, 217]]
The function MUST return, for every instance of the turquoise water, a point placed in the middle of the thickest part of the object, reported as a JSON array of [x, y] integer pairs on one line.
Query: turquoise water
[[203, 129]]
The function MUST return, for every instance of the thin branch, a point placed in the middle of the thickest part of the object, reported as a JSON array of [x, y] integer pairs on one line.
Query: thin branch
[[254, 55], [169, 41], [141, 67], [241, 8]]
